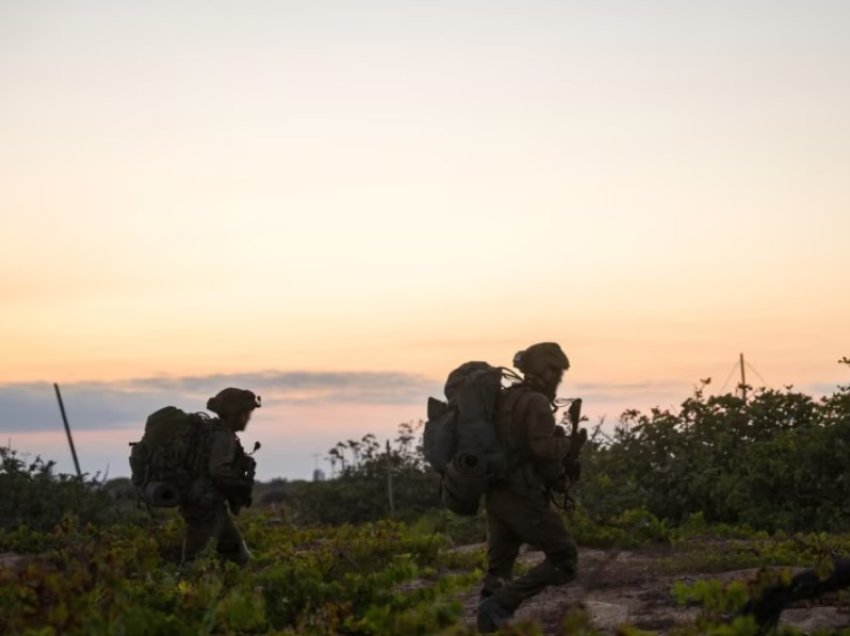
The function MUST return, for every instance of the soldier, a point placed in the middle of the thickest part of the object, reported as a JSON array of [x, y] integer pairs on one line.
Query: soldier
[[227, 483], [518, 509]]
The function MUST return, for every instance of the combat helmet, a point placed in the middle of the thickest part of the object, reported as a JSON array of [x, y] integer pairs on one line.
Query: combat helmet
[[538, 357], [232, 401]]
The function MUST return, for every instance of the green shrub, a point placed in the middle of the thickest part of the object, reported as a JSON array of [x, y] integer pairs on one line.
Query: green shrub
[[775, 462], [32, 495], [373, 579]]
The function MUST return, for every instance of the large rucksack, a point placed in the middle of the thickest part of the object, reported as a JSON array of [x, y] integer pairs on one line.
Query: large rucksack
[[171, 455], [460, 440]]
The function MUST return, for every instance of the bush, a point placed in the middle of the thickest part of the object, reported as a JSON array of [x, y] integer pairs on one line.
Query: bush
[[31, 495], [374, 579], [775, 462]]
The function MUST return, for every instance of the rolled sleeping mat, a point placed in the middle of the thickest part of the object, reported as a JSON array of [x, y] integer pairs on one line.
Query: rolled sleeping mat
[[464, 481], [162, 495]]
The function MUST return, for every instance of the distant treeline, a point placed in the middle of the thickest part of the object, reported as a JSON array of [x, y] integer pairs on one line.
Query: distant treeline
[[370, 481], [778, 461]]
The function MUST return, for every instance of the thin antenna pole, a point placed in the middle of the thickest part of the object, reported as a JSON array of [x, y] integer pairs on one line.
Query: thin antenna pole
[[390, 480], [743, 379], [68, 430]]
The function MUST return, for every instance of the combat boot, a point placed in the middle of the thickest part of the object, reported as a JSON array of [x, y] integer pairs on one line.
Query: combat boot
[[490, 586], [492, 615]]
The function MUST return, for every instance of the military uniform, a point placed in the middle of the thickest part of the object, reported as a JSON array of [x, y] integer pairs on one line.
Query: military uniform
[[225, 486], [518, 507]]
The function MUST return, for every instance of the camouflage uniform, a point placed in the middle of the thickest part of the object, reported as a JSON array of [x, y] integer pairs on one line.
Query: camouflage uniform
[[227, 483], [518, 509]]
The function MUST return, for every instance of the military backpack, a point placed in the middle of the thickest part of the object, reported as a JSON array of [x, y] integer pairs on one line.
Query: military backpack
[[171, 456], [460, 439]]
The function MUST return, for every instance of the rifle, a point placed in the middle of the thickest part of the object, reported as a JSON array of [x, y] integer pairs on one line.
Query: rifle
[[578, 437], [239, 494], [569, 469]]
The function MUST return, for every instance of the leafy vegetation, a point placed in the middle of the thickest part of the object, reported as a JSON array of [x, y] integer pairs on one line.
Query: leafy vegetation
[[721, 483], [372, 579], [34, 496], [777, 461], [360, 489]]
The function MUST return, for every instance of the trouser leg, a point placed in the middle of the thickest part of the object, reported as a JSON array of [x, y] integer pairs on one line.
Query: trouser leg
[[502, 550], [200, 528], [549, 572], [230, 545], [532, 520], [213, 522]]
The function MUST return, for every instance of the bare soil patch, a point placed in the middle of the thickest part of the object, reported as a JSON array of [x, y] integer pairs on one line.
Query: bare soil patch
[[634, 587]]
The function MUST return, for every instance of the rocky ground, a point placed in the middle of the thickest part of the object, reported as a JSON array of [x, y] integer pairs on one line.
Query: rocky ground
[[634, 587]]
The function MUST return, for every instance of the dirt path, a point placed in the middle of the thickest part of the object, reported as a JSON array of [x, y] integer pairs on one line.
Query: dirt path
[[617, 587]]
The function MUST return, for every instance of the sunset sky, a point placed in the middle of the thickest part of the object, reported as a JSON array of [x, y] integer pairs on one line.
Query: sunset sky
[[335, 203]]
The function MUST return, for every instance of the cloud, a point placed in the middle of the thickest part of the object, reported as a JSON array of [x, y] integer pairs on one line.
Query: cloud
[[630, 387], [124, 404], [30, 407], [301, 386]]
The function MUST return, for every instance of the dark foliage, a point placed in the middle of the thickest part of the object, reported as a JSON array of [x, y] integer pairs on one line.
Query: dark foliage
[[360, 488], [31, 495], [777, 461]]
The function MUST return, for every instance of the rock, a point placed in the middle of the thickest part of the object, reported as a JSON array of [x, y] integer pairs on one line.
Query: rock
[[606, 615], [810, 619]]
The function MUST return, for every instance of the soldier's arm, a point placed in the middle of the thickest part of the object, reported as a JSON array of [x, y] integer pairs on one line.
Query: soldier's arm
[[540, 423], [222, 466]]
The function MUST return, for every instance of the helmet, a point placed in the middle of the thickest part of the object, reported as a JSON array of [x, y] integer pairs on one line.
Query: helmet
[[231, 401], [538, 357]]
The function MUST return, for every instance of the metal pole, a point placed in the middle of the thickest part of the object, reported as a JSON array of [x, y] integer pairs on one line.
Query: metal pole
[[68, 430], [390, 480], [743, 380]]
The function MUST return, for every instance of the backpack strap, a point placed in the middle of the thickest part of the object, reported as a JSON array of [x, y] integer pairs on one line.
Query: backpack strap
[[516, 412], [512, 414]]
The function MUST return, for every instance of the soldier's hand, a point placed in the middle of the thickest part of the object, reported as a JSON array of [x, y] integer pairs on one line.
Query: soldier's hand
[[577, 441], [581, 437], [559, 431], [572, 469]]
